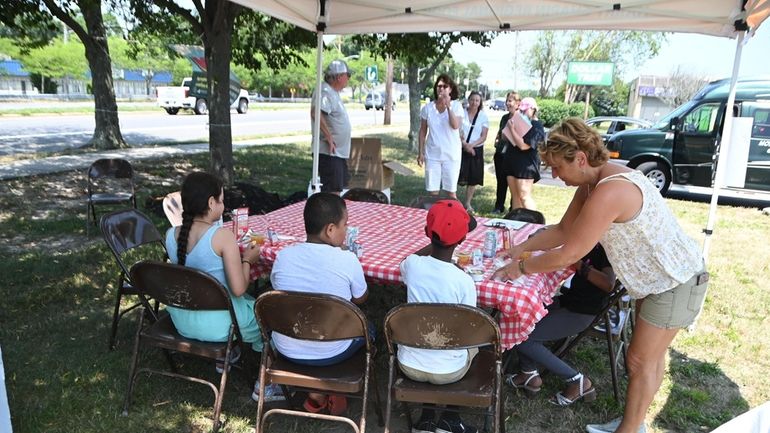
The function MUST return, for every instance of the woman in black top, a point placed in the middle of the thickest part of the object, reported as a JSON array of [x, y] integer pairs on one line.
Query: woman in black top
[[522, 159], [569, 314], [512, 100]]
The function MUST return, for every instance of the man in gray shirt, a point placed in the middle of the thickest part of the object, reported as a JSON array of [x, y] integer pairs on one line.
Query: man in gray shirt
[[334, 142]]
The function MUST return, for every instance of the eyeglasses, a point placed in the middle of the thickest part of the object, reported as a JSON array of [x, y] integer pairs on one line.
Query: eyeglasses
[[442, 86]]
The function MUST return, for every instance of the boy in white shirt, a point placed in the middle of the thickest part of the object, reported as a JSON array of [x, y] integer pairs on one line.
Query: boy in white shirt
[[320, 266], [434, 278]]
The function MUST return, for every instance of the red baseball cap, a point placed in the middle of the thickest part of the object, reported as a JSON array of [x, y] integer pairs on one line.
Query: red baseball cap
[[449, 220]]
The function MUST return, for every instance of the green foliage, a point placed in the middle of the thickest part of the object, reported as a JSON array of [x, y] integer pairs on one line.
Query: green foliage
[[552, 111], [576, 109], [261, 41], [57, 59]]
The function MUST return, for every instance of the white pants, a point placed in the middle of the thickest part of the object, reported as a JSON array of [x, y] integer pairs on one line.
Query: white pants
[[441, 175]]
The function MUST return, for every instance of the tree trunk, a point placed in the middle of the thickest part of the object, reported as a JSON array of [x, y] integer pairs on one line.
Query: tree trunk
[[414, 104], [218, 54], [107, 131]]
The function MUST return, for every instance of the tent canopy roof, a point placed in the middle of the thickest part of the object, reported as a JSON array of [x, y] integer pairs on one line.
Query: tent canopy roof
[[711, 17]]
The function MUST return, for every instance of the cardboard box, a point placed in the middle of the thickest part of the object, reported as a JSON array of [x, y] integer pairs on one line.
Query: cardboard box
[[367, 168]]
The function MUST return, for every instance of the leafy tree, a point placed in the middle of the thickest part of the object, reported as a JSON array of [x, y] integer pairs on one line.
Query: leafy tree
[[681, 86], [27, 16], [56, 60], [214, 23], [549, 56], [414, 50]]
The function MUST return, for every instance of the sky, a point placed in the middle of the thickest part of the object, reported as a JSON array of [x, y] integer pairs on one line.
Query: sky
[[706, 56]]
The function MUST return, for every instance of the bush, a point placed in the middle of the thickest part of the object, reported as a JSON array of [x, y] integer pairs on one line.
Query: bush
[[552, 111], [576, 109]]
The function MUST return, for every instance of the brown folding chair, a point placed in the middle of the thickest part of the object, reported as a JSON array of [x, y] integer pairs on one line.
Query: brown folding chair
[[316, 317], [366, 195], [424, 202], [446, 326], [110, 181], [525, 215], [186, 288], [172, 207], [129, 234], [616, 335]]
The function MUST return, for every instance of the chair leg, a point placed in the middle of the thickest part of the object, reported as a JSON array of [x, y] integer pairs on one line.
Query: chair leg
[[220, 395], [389, 403], [132, 368], [377, 398], [261, 400], [116, 315], [611, 350]]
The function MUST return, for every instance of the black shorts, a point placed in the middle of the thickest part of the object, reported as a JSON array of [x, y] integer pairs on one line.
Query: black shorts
[[333, 171]]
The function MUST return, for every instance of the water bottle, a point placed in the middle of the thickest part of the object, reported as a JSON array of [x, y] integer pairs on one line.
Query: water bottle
[[272, 235], [358, 249], [490, 244]]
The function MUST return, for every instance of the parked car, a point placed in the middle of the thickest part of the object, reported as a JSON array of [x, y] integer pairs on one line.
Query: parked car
[[175, 98], [608, 125], [497, 104], [376, 100], [256, 97], [682, 147]]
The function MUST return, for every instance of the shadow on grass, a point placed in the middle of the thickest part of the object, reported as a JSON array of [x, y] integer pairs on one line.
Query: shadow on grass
[[701, 398]]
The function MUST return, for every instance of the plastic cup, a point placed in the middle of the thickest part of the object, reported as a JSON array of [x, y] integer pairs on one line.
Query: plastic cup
[[257, 238], [463, 259]]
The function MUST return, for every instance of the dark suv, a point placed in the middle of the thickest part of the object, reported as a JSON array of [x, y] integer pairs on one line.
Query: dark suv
[[682, 147]]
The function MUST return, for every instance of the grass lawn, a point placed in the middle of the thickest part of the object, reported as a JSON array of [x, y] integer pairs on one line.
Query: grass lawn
[[58, 287]]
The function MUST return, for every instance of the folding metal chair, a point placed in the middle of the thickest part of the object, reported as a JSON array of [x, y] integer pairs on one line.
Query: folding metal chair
[[129, 233], [446, 326], [316, 317], [366, 195], [185, 288], [110, 181], [616, 334], [172, 207]]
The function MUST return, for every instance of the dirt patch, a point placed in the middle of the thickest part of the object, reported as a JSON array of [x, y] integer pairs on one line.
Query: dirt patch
[[48, 212]]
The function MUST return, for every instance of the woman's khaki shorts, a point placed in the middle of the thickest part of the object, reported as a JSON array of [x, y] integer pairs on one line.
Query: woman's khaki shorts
[[678, 307]]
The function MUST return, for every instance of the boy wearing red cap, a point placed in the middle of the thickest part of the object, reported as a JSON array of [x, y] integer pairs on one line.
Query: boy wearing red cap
[[434, 278]]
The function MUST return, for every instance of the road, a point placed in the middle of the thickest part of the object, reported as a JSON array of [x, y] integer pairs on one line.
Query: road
[[53, 133]]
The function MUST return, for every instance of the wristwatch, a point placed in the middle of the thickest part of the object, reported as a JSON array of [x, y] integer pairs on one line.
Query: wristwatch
[[521, 267]]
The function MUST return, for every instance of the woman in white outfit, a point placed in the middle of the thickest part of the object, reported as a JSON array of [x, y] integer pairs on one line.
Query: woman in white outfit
[[440, 148]]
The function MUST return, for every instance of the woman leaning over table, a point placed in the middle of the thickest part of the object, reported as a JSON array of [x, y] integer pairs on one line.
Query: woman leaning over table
[[440, 148], [660, 266], [203, 244], [473, 135]]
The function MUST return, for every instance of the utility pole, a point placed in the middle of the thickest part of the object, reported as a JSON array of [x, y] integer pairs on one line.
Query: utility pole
[[388, 91]]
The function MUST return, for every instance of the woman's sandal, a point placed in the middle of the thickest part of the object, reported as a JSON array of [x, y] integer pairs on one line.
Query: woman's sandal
[[586, 394], [529, 390]]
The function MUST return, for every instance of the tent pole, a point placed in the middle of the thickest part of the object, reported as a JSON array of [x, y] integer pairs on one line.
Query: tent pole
[[316, 181], [723, 148]]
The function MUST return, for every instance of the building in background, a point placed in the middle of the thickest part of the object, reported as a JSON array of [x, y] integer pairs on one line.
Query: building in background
[[14, 80], [651, 97]]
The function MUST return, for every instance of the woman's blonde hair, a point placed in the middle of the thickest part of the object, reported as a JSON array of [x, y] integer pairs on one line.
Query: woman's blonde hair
[[570, 136]]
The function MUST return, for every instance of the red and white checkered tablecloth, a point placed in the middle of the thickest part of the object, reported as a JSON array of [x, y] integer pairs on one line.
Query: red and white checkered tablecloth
[[389, 233]]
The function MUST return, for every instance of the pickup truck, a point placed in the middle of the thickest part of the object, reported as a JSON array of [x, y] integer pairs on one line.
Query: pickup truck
[[174, 98]]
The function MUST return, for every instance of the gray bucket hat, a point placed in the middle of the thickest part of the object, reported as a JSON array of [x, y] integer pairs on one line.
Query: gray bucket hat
[[337, 67]]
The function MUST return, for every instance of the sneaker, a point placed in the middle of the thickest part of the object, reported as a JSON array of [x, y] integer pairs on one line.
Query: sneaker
[[273, 393], [617, 319], [427, 426], [610, 427], [445, 426], [497, 211], [235, 355]]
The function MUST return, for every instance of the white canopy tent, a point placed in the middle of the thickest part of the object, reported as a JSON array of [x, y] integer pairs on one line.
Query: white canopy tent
[[727, 18]]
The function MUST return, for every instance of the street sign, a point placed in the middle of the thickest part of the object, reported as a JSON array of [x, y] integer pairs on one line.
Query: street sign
[[371, 73], [590, 73]]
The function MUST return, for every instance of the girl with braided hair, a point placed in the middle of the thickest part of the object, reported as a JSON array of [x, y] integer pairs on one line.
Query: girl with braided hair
[[202, 243]]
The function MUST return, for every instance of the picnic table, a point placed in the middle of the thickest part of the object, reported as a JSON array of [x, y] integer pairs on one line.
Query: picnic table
[[389, 233]]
